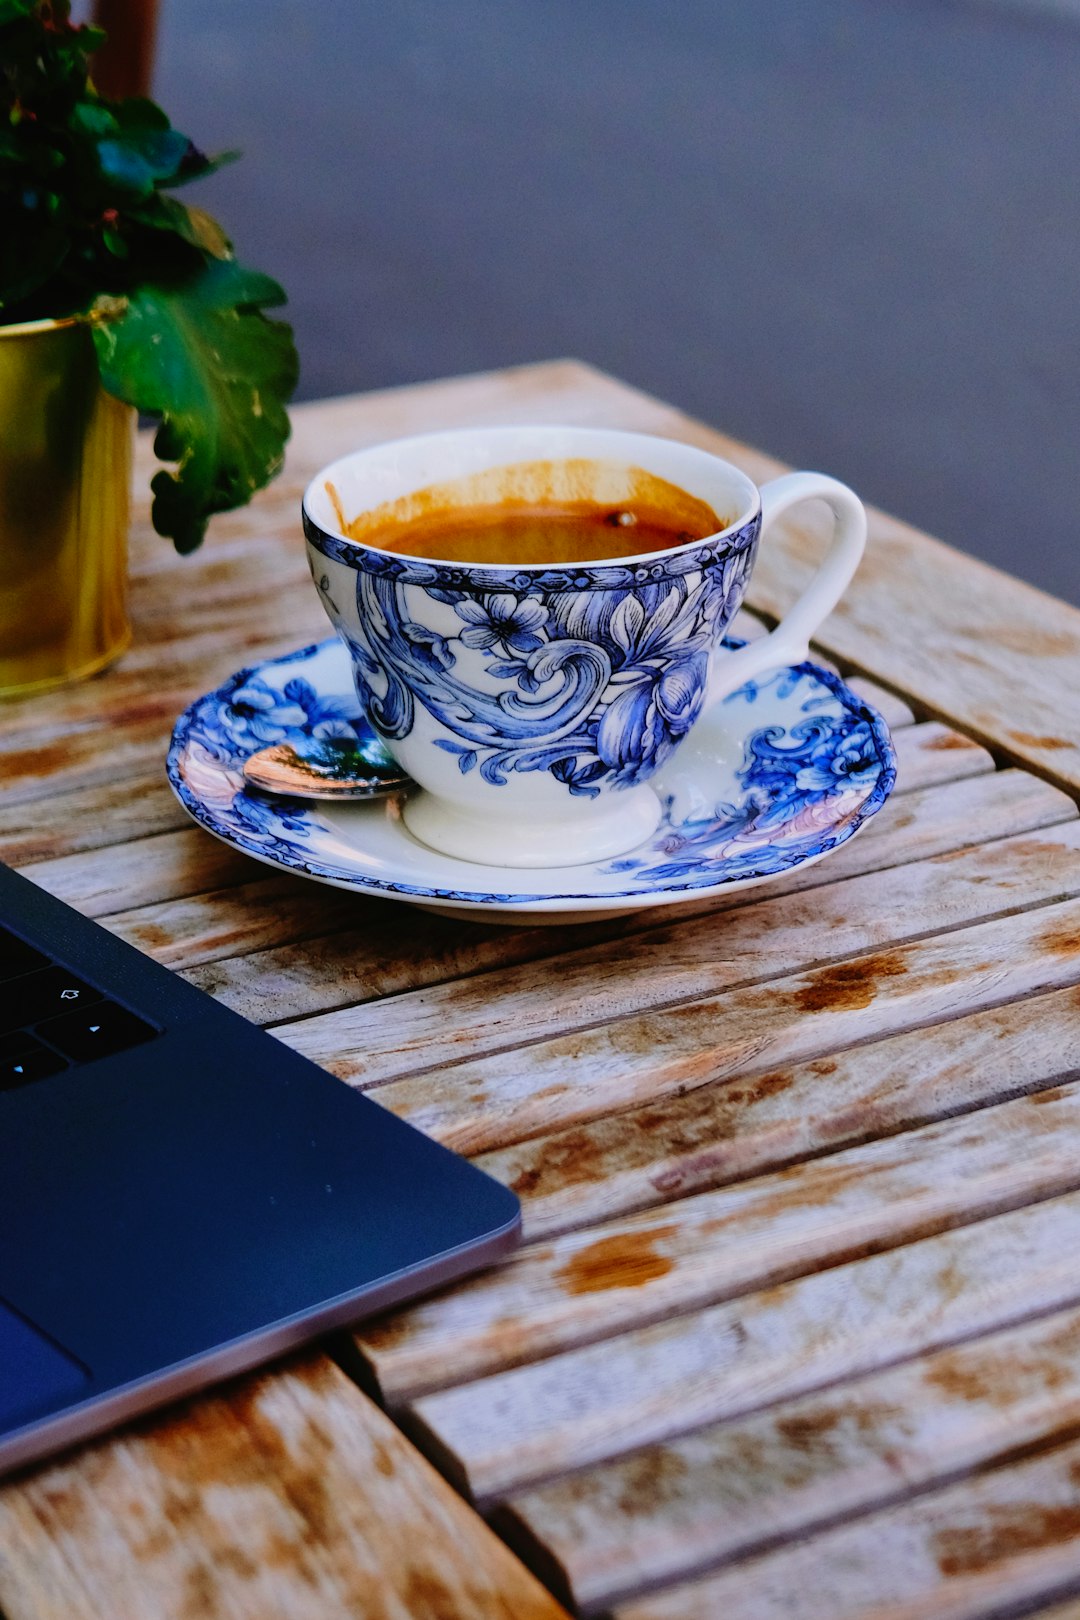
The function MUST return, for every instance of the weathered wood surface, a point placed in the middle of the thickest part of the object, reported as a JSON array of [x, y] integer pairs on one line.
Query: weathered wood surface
[[976, 1550], [674, 1146], [488, 1102], [799, 1166], [646, 1267], [722, 1492], [547, 1417], [761, 940], [288, 1496], [88, 818], [167, 866], [282, 983]]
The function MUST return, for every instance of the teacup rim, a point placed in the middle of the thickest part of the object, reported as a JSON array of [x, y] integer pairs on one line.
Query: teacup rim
[[617, 567]]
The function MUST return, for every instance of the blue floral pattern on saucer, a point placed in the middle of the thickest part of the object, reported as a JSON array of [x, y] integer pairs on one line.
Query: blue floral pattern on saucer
[[783, 771]]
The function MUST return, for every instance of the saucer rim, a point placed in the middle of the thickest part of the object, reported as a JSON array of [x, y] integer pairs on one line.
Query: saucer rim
[[478, 900]]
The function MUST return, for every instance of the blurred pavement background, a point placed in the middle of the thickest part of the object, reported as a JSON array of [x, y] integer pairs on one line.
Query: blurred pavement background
[[846, 231]]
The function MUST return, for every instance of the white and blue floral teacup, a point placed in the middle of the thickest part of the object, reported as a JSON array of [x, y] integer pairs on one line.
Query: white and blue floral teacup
[[532, 704]]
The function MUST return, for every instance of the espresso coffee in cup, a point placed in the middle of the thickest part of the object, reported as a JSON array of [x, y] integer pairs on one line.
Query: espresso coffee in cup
[[536, 615], [526, 517]]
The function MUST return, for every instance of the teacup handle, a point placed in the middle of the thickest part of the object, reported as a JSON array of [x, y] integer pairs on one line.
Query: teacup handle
[[789, 643]]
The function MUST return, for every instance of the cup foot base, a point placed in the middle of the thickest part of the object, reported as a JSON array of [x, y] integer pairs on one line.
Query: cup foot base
[[590, 835]]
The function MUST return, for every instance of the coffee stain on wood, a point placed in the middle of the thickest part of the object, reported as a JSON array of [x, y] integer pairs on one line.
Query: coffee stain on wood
[[1059, 938], [1001, 1379], [848, 986], [648, 1480], [798, 1188], [573, 1160], [1009, 1532], [695, 1127], [1028, 739], [990, 1379], [623, 1260]]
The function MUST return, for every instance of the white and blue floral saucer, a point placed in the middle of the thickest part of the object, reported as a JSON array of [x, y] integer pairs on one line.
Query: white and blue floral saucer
[[782, 772]]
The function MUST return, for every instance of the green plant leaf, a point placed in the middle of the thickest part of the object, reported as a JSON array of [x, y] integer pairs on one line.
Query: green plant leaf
[[202, 356], [201, 229], [93, 118], [139, 112], [162, 213], [137, 160], [15, 10], [198, 165]]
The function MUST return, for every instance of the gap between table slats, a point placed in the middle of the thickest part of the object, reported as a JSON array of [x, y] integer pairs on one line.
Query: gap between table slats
[[670, 1511], [250, 930], [990, 1546], [513, 1429], [492, 1102], [284, 1494], [513, 1007], [698, 1250]]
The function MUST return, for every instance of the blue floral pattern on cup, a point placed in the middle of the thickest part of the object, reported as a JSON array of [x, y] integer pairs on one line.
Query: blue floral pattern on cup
[[805, 785], [595, 686]]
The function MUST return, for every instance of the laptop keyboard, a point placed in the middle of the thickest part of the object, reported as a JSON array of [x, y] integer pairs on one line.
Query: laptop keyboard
[[50, 1019]]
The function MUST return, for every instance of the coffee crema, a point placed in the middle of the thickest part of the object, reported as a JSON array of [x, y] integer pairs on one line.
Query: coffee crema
[[536, 514]]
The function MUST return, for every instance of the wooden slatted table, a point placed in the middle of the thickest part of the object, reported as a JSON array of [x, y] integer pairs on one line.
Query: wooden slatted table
[[796, 1329]]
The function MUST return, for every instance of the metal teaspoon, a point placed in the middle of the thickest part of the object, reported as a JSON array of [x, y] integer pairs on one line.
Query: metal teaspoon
[[326, 768]]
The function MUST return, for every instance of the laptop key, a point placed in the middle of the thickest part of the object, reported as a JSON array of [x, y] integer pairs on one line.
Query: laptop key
[[98, 1032], [16, 956], [43, 994], [35, 1062], [16, 1041]]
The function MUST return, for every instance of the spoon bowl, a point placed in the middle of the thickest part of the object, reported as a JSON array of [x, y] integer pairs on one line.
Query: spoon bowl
[[356, 767]]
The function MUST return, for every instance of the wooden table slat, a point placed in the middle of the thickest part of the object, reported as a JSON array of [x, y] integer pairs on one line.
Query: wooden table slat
[[698, 1250], [168, 866], [584, 1405], [287, 1495], [513, 1006], [247, 919], [710, 1136], [976, 1550], [490, 1102], [930, 753], [668, 1511], [93, 817]]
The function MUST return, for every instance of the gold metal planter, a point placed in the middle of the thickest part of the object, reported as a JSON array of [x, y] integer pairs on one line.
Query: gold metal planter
[[65, 474]]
